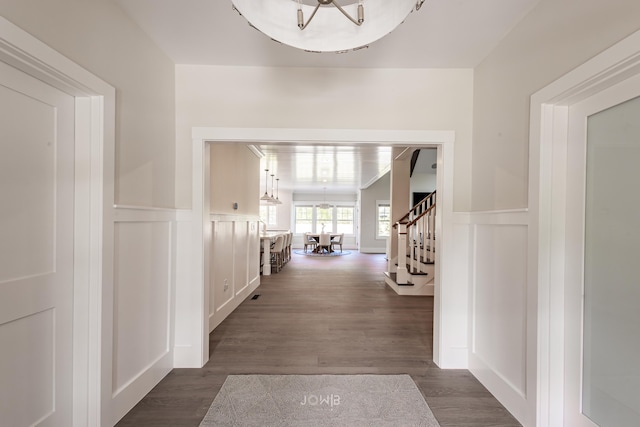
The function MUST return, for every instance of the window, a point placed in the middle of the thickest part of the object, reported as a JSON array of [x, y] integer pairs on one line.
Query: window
[[303, 219], [383, 220], [344, 219], [314, 218], [324, 217], [268, 214]]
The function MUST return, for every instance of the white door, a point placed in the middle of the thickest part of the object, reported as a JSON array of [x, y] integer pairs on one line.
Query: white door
[[36, 251], [602, 281]]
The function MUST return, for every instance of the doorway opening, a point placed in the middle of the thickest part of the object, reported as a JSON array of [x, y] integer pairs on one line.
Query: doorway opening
[[444, 321]]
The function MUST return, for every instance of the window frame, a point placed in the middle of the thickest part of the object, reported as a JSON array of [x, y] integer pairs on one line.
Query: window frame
[[315, 225], [272, 215], [379, 204]]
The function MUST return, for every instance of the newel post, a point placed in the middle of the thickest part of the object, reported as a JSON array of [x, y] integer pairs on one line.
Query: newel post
[[402, 277]]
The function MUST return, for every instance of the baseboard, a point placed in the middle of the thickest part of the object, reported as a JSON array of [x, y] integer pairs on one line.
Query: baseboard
[[373, 250], [216, 318]]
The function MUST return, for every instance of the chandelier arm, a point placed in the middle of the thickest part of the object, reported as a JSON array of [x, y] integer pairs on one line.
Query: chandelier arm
[[301, 24], [344, 12]]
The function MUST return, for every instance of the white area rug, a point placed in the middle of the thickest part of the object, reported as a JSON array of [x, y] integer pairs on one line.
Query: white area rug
[[319, 400]]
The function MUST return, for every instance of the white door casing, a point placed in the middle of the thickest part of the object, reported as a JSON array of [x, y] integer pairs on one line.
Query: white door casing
[[36, 250], [575, 238], [92, 165], [449, 330], [551, 227]]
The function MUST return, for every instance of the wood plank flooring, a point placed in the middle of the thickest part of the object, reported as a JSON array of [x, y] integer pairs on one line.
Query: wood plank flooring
[[324, 316]]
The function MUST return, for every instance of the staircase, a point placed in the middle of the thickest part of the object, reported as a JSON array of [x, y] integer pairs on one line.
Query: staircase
[[417, 247]]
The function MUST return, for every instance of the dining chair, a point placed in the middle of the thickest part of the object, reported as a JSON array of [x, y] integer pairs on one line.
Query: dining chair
[[325, 242], [338, 241], [308, 241]]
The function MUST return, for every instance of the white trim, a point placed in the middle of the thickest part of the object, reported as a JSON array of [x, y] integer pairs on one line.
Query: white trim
[[257, 151], [324, 136], [500, 217], [446, 353], [378, 204], [547, 174], [140, 214], [94, 185], [372, 250], [233, 217], [512, 396], [376, 178]]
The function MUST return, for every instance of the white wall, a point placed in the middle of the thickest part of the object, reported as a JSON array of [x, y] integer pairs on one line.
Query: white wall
[[284, 211], [379, 190], [234, 178], [99, 37], [234, 264], [235, 253], [549, 42], [423, 178], [239, 97], [553, 39], [422, 183]]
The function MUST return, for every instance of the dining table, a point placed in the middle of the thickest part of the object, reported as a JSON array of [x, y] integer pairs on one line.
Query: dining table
[[316, 237]]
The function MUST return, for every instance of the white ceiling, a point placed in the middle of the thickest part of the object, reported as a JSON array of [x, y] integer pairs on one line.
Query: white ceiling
[[309, 169], [442, 34]]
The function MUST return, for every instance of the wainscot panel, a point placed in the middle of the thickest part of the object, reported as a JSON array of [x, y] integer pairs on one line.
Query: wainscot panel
[[143, 302], [235, 264], [499, 333]]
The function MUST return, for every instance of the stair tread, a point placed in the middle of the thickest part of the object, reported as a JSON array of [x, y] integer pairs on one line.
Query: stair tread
[[414, 272], [394, 277], [421, 260]]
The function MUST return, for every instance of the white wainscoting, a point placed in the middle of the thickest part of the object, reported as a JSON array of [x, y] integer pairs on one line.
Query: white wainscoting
[[143, 302], [186, 297], [234, 265], [456, 290], [28, 360], [500, 338]]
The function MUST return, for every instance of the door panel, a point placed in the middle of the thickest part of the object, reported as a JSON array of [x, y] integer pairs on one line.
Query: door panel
[[611, 374], [36, 251], [602, 340]]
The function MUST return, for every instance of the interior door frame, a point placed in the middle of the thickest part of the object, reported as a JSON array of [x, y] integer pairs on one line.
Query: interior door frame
[[447, 329], [548, 167], [93, 225]]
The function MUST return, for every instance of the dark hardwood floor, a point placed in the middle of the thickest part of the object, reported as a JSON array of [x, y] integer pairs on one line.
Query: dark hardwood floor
[[324, 316]]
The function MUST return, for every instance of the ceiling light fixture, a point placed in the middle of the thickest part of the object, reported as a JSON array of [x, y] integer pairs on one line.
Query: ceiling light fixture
[[266, 197], [274, 200], [324, 204], [277, 199], [330, 31], [302, 25]]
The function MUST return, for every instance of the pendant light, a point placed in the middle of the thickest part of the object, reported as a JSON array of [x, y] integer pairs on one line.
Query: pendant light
[[273, 199], [324, 204], [277, 199], [266, 197]]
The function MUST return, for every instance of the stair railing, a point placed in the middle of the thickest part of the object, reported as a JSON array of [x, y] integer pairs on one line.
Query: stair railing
[[416, 238], [419, 208], [421, 240]]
